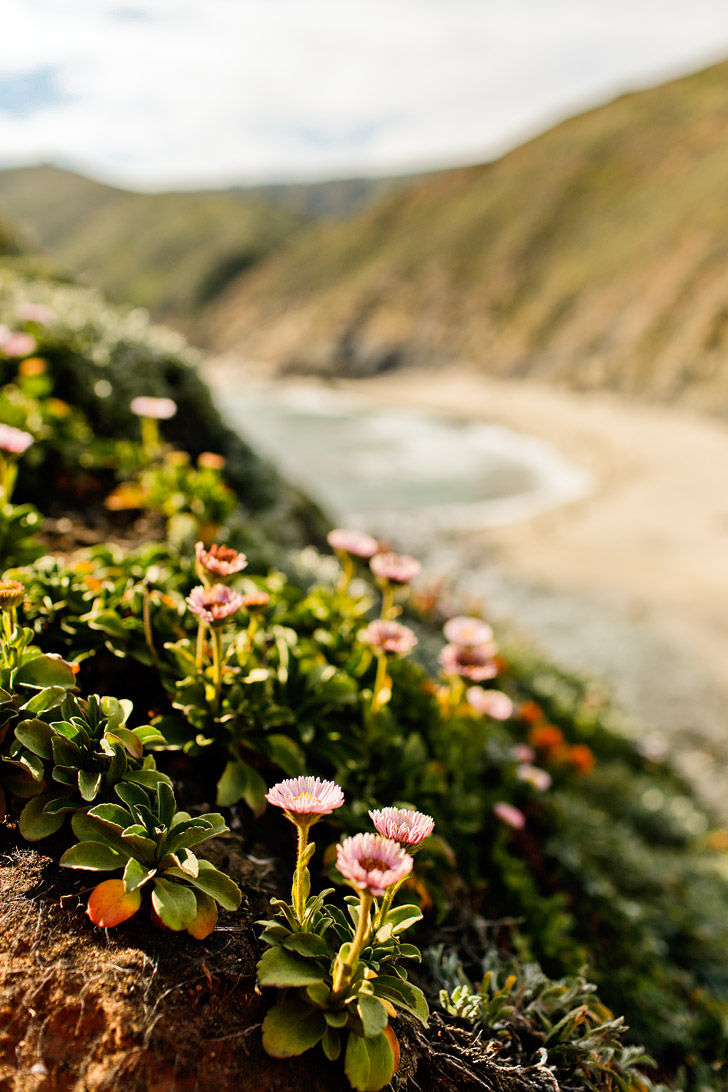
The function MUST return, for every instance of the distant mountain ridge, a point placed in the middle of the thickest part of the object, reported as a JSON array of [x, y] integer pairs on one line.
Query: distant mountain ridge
[[595, 255], [170, 252]]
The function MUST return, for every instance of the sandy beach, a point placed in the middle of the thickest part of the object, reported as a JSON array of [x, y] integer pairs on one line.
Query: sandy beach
[[630, 582]]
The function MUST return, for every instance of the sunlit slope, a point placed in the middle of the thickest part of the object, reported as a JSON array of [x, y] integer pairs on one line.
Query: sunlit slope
[[169, 252], [595, 255]]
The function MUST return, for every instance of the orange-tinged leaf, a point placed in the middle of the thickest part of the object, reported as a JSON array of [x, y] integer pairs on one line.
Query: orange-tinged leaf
[[394, 1044], [156, 920], [110, 903], [206, 917]]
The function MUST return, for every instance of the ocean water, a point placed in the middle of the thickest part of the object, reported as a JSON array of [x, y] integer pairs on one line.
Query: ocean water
[[403, 473]]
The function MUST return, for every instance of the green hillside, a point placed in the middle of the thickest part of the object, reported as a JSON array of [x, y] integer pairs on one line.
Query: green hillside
[[169, 252], [595, 255]]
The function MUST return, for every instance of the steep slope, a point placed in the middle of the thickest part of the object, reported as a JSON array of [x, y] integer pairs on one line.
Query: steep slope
[[169, 252], [595, 255]]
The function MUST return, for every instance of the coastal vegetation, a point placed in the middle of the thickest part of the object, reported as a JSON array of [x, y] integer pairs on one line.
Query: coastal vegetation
[[184, 657]]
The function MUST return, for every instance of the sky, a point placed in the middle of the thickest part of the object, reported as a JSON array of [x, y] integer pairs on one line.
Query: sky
[[158, 94]]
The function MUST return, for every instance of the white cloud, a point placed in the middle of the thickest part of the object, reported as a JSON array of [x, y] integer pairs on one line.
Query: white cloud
[[176, 92]]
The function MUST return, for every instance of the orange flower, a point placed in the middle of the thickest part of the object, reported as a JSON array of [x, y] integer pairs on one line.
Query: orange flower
[[531, 712], [32, 365], [581, 758], [547, 738]]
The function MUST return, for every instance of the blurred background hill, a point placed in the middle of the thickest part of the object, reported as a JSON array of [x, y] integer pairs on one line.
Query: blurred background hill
[[594, 255]]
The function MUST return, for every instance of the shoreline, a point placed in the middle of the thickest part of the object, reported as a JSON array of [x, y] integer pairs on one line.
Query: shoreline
[[629, 582]]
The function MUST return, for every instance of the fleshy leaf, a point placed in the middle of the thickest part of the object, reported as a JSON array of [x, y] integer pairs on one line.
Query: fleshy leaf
[[216, 884], [128, 739], [136, 874], [206, 917], [290, 1028], [369, 1063], [240, 781], [110, 903], [92, 855], [175, 904], [89, 784], [373, 1015], [35, 823], [36, 736], [277, 967], [43, 671], [307, 944]]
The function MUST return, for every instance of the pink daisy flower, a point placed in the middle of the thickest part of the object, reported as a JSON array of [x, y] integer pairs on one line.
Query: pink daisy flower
[[11, 594], [161, 409], [491, 703], [214, 605], [468, 631], [14, 440], [474, 663], [540, 779], [396, 568], [389, 636], [356, 543], [254, 602], [221, 561], [16, 344], [509, 815], [306, 796], [523, 753], [407, 828], [372, 863]]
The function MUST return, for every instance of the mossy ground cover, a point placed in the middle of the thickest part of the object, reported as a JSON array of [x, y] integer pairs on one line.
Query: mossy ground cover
[[557, 842]]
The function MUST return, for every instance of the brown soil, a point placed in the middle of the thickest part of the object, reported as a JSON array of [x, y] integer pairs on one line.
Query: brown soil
[[138, 1010]]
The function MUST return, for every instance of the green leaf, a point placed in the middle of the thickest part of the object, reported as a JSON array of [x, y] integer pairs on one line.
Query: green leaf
[[290, 1028], [89, 784], [128, 739], [307, 944], [373, 1015], [277, 967], [165, 802], [240, 781], [216, 884], [88, 827], [93, 855], [117, 711], [35, 823], [399, 920], [176, 905], [112, 813], [46, 699], [148, 779], [369, 1063], [402, 994], [149, 735], [331, 1043], [106, 621], [286, 753], [45, 671], [131, 794], [336, 1017], [136, 875], [36, 735]]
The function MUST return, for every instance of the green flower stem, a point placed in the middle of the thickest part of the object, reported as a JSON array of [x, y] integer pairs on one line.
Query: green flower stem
[[388, 608], [387, 903], [200, 649], [380, 681], [148, 633], [217, 662], [347, 572], [297, 894], [457, 691], [8, 474], [150, 437], [345, 966]]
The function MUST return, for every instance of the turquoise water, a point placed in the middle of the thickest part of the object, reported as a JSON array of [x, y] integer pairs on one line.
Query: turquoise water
[[402, 472]]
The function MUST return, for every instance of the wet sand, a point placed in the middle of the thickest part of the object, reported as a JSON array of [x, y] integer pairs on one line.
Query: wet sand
[[630, 582]]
